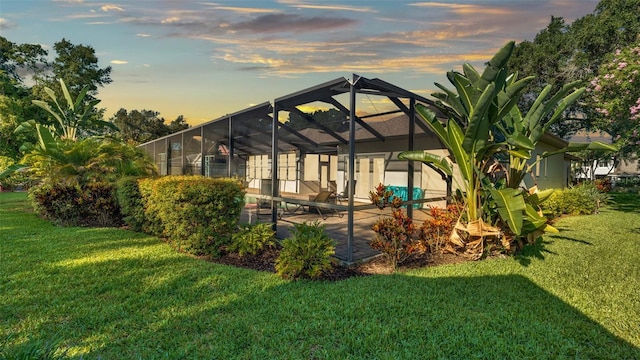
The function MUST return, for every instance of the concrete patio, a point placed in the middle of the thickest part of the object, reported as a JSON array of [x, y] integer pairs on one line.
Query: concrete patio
[[336, 226]]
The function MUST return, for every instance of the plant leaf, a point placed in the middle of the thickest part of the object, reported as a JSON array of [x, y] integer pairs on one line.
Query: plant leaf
[[438, 161], [478, 128], [573, 147], [510, 204]]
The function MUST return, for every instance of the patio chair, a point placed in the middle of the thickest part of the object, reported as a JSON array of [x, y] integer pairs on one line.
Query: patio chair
[[327, 197], [344, 195]]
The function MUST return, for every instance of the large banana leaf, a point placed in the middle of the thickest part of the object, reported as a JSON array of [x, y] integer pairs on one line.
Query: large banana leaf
[[452, 99], [508, 99], [463, 158], [562, 105], [540, 196], [45, 138], [438, 161], [470, 73], [511, 205], [573, 147], [520, 141], [534, 221], [495, 65], [467, 93], [477, 131], [536, 111], [434, 124]]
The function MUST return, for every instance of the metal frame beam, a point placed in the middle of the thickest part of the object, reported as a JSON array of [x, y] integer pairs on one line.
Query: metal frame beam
[[408, 112], [359, 120], [310, 119]]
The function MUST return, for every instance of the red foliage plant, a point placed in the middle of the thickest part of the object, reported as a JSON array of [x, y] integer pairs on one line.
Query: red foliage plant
[[395, 234], [435, 232]]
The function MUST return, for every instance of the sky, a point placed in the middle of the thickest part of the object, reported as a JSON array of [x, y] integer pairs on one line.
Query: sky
[[204, 59]]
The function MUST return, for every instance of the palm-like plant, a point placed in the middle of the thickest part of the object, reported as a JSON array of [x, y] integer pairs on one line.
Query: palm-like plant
[[483, 120], [544, 112], [61, 155], [85, 160], [73, 116], [473, 109]]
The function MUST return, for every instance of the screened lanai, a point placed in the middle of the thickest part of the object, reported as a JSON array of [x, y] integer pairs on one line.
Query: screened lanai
[[340, 138]]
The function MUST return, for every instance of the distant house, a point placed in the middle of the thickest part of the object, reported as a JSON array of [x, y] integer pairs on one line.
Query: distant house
[[625, 169], [608, 167]]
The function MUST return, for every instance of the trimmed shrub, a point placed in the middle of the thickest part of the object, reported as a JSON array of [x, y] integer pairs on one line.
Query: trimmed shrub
[[151, 223], [252, 239], [93, 204], [583, 199], [57, 203], [101, 205], [307, 253], [196, 214], [130, 202]]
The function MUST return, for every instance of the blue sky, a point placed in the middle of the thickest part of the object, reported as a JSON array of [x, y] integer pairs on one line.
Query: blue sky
[[204, 59]]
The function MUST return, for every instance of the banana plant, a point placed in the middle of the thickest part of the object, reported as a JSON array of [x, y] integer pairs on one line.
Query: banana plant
[[74, 116], [477, 104], [533, 126]]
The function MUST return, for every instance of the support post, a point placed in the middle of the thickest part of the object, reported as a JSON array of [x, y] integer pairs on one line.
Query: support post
[[202, 140], [412, 133], [183, 157], [230, 160], [274, 165], [352, 165], [167, 160]]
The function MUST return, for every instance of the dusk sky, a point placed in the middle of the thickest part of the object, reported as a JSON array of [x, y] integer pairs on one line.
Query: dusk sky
[[204, 59]]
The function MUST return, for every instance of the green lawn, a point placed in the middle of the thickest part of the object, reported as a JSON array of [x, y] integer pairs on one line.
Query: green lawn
[[113, 294]]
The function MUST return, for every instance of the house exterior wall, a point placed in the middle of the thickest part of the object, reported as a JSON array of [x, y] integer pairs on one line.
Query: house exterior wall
[[550, 172]]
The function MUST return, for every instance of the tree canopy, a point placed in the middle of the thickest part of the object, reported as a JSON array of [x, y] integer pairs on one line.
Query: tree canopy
[[334, 119], [615, 96], [140, 126], [563, 53]]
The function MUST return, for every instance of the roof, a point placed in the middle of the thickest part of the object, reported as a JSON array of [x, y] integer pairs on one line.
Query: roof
[[252, 127]]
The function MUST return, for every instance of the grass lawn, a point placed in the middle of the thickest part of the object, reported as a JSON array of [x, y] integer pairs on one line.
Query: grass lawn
[[114, 294]]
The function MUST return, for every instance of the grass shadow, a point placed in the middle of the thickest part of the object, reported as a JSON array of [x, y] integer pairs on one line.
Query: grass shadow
[[536, 250], [570, 239], [447, 317], [626, 202]]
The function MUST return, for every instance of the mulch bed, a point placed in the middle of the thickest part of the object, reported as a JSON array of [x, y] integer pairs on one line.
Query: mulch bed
[[378, 265]]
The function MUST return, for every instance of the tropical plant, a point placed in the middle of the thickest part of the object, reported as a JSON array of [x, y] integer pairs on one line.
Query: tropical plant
[[83, 161], [533, 126], [473, 109], [60, 155], [484, 123], [252, 239], [394, 234], [74, 116], [307, 253]]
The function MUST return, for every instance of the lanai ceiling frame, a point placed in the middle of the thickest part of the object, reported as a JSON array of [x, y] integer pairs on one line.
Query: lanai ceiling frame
[[325, 93]]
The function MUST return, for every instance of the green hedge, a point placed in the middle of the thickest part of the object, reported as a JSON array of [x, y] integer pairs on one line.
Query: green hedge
[[130, 201], [197, 215], [92, 204]]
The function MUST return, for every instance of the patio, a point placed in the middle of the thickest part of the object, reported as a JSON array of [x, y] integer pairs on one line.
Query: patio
[[335, 221]]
